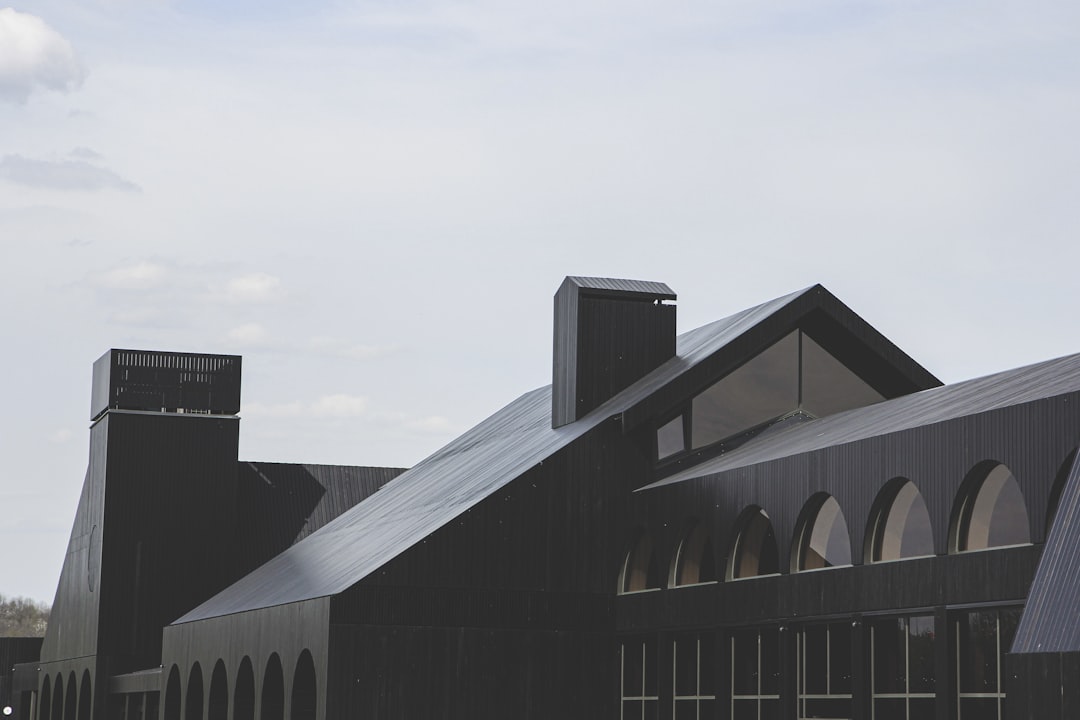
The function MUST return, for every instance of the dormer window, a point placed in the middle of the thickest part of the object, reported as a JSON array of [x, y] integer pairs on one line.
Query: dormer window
[[794, 377]]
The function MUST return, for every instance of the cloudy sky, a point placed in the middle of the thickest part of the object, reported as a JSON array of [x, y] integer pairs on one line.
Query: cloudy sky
[[374, 201]]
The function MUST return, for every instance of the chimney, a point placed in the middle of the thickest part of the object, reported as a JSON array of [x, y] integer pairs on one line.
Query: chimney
[[608, 334]]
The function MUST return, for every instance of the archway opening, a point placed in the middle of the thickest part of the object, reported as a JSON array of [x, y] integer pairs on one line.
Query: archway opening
[[304, 694], [822, 539], [244, 692], [991, 511], [58, 699], [754, 551], [45, 707], [639, 568], [693, 561], [218, 701], [193, 702], [273, 691], [899, 524], [172, 695], [86, 696]]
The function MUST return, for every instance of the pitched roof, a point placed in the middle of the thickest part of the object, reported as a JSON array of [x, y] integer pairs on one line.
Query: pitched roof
[[479, 463], [1012, 387]]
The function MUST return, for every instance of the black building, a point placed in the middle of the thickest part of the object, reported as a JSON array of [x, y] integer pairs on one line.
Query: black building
[[777, 515]]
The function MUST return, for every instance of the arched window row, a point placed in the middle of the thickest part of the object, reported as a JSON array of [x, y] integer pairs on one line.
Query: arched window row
[[272, 705], [989, 511]]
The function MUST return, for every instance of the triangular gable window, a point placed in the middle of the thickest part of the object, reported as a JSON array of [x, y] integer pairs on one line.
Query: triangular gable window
[[794, 376]]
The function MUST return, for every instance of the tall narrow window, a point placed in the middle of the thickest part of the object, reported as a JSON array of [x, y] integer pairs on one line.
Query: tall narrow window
[[637, 572], [824, 677], [754, 551], [902, 667], [899, 524], [822, 538], [693, 561], [693, 678], [755, 674], [638, 695], [981, 639], [991, 511]]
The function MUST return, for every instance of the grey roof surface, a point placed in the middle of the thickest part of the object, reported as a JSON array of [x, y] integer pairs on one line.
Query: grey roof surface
[[641, 287], [1012, 387], [446, 484], [1048, 623]]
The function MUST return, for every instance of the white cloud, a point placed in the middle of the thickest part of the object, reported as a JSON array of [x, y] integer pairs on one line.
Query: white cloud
[[140, 276], [32, 56], [350, 351], [434, 424], [339, 406], [336, 406], [249, 334], [62, 175], [60, 436], [254, 288]]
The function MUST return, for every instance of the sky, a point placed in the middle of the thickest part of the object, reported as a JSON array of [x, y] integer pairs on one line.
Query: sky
[[373, 202]]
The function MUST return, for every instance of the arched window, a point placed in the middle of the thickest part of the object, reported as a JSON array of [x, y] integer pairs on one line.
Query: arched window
[[693, 560], [1059, 485], [45, 709], [990, 511], [822, 539], [86, 692], [754, 550], [219, 694], [172, 695], [304, 696], [638, 571], [71, 701], [244, 694], [273, 690], [899, 524], [193, 702], [58, 699]]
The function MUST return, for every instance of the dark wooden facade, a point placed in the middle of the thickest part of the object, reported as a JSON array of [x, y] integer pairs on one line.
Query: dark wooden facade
[[490, 581]]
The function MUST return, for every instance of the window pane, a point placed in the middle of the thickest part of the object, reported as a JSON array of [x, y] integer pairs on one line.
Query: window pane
[[978, 709], [906, 530], [755, 550], [632, 669], [686, 710], [765, 387], [670, 438], [686, 666], [997, 516], [889, 656], [893, 709], [744, 710], [744, 662], [827, 544], [707, 666], [921, 637], [976, 644], [814, 658], [770, 661], [840, 658], [828, 385]]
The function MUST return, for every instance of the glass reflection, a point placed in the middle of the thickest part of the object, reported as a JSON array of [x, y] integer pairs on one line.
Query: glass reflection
[[693, 562], [762, 389], [903, 530], [996, 516], [755, 550], [825, 541]]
